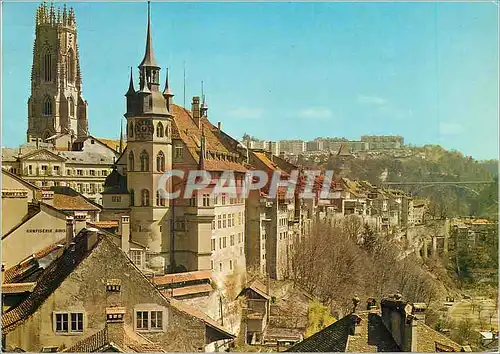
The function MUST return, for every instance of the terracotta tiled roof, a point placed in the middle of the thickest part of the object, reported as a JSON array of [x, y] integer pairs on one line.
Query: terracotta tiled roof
[[112, 143], [17, 272], [181, 277], [50, 280], [102, 340], [17, 288], [108, 224], [188, 290], [427, 338], [70, 203], [221, 165], [184, 128]]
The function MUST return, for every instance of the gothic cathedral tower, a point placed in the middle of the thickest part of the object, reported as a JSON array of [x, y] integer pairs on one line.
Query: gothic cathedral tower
[[149, 155], [56, 105]]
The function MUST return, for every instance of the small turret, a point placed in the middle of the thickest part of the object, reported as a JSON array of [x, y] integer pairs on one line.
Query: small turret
[[65, 16], [131, 89], [167, 92]]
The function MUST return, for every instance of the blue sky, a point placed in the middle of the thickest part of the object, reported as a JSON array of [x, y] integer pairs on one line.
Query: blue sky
[[426, 71]]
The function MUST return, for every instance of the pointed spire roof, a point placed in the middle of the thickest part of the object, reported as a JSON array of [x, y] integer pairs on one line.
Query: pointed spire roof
[[121, 137], [131, 89], [167, 91], [148, 59]]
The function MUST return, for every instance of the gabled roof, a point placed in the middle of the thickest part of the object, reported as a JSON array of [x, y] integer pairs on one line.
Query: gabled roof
[[53, 276], [47, 153], [67, 199], [48, 282], [27, 266], [257, 287], [330, 339], [21, 180], [428, 339]]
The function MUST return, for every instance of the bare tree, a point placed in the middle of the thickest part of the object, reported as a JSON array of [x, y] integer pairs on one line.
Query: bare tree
[[352, 226]]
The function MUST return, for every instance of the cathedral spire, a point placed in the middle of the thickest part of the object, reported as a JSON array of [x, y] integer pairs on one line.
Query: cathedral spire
[[148, 59]]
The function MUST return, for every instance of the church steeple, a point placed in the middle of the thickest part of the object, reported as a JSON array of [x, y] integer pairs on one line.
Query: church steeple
[[148, 69]]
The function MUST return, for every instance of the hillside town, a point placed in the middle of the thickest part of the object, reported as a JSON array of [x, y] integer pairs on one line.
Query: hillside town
[[96, 258]]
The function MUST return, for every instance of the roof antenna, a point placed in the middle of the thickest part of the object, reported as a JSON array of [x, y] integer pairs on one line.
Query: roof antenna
[[184, 84]]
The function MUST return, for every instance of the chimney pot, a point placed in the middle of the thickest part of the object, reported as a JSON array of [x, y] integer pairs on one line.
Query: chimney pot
[[219, 126], [195, 109], [3, 270], [124, 230], [70, 230]]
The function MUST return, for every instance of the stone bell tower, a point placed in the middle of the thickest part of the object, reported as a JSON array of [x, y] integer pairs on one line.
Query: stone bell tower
[[56, 105]]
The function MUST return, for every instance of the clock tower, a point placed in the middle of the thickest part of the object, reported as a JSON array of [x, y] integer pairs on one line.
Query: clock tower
[[148, 155]]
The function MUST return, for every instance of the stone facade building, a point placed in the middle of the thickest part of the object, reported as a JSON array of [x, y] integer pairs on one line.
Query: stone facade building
[[84, 171], [202, 232], [77, 292], [56, 107]]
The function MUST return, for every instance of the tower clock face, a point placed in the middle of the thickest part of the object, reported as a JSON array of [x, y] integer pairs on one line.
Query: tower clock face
[[144, 128]]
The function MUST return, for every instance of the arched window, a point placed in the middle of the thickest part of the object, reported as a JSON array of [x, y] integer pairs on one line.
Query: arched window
[[47, 106], [131, 161], [167, 131], [47, 67], [160, 162], [132, 197], [144, 161], [131, 130], [159, 130], [144, 197], [70, 66], [160, 201], [71, 104]]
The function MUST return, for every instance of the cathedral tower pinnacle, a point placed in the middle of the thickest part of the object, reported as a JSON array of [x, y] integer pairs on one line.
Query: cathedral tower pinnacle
[[56, 106]]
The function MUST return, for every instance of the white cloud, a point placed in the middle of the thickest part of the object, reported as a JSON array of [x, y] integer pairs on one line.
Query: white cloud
[[371, 100], [247, 113], [450, 128], [316, 113]]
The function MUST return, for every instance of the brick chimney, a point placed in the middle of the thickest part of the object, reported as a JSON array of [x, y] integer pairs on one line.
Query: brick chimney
[[124, 229], [115, 313], [80, 221], [70, 230], [195, 109], [115, 323], [355, 325]]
